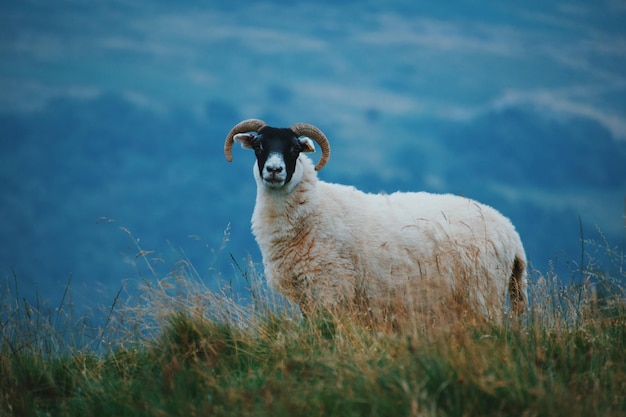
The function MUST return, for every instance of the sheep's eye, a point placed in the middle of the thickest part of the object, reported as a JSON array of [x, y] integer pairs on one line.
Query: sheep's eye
[[257, 146]]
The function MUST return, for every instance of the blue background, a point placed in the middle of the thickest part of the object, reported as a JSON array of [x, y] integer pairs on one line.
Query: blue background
[[113, 116]]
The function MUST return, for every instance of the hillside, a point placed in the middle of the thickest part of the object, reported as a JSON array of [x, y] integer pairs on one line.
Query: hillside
[[185, 350]]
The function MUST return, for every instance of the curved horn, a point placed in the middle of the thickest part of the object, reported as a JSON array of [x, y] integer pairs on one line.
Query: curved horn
[[304, 129], [250, 125]]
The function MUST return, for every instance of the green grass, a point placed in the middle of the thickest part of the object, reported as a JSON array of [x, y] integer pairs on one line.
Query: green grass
[[186, 351]]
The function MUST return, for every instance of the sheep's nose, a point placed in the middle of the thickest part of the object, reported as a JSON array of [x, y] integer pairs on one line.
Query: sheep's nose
[[274, 169]]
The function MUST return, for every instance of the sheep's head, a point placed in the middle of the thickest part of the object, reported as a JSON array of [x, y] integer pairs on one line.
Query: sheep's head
[[277, 149]]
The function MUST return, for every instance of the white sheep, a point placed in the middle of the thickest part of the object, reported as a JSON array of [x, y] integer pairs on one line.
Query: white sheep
[[331, 245]]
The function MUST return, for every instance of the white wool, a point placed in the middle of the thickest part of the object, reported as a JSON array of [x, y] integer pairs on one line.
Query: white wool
[[326, 244]]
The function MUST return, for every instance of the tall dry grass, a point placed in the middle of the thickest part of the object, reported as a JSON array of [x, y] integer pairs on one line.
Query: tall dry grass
[[182, 349]]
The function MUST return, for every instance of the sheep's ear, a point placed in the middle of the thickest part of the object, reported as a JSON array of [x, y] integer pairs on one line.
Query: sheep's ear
[[306, 144], [245, 139]]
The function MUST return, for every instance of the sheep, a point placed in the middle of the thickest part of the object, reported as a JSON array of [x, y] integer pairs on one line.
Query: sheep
[[332, 246]]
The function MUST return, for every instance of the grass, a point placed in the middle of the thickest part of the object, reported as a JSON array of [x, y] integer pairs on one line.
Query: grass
[[183, 350]]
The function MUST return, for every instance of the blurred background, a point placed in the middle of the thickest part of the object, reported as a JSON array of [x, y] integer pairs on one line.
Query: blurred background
[[113, 116]]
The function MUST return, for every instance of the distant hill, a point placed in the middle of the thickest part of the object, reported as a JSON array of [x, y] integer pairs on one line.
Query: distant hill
[[534, 149], [76, 172]]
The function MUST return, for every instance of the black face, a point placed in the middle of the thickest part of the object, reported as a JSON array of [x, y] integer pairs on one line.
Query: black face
[[277, 150]]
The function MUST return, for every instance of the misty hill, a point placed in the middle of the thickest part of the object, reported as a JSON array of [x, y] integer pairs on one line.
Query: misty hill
[[77, 171]]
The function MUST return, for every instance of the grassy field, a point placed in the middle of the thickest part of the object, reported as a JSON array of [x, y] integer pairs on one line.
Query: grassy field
[[182, 350]]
